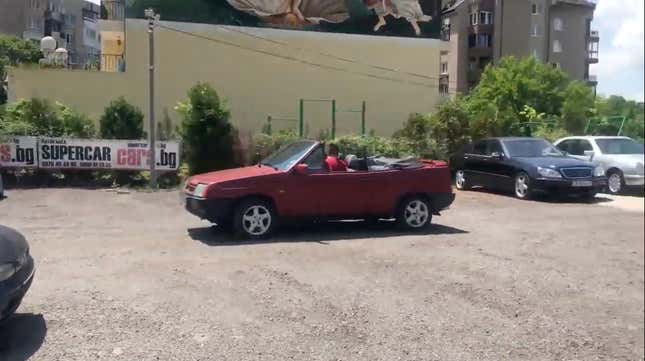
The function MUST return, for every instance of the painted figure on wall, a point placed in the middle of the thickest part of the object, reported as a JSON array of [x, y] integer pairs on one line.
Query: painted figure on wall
[[298, 13], [294, 13], [407, 9]]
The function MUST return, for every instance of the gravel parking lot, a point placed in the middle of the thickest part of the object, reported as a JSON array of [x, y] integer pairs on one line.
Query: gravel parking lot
[[135, 277]]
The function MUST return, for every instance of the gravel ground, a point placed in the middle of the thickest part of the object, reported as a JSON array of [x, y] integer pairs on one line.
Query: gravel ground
[[134, 277]]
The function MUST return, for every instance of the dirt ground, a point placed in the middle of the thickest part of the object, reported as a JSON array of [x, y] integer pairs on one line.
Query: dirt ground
[[135, 277]]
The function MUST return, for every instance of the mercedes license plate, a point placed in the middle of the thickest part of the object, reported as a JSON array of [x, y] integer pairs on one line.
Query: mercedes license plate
[[581, 183]]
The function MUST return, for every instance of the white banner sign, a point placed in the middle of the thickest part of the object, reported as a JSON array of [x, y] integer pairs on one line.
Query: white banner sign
[[18, 152], [62, 153]]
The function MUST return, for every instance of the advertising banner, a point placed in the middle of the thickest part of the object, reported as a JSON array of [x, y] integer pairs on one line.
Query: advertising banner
[[62, 153], [18, 152]]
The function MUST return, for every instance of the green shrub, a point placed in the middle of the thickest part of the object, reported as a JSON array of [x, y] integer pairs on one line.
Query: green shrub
[[206, 132], [39, 117], [264, 144], [122, 120], [75, 124], [374, 145]]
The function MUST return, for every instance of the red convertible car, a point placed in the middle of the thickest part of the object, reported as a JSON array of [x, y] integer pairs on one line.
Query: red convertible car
[[294, 183]]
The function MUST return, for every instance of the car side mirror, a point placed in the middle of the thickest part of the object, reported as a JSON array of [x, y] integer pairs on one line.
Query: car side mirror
[[589, 154], [497, 155], [301, 169]]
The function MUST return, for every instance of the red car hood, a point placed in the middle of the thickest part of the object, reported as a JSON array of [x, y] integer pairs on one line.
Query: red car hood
[[230, 174]]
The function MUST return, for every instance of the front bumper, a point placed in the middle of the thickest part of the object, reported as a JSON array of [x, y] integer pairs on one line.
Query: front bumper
[[566, 186], [14, 289], [214, 210], [634, 180]]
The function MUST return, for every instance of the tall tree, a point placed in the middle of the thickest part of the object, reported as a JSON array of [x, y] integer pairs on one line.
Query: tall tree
[[514, 83]]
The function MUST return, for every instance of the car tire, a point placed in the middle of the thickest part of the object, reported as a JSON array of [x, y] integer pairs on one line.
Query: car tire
[[615, 182], [522, 188], [254, 219], [460, 180], [415, 213]]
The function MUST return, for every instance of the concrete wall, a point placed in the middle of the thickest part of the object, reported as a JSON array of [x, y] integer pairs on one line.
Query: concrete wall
[[256, 84]]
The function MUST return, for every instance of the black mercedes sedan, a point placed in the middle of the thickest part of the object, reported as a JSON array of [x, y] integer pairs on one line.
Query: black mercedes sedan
[[526, 166], [16, 271]]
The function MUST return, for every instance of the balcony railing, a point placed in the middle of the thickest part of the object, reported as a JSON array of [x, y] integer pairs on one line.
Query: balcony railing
[[594, 35], [592, 56]]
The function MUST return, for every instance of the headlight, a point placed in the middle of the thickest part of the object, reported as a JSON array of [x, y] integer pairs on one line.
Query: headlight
[[6, 271], [599, 172], [200, 190], [549, 173]]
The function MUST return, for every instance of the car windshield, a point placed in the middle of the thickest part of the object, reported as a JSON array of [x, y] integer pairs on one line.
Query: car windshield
[[531, 148], [285, 157], [619, 146]]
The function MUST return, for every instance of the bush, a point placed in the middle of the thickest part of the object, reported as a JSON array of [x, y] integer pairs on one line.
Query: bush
[[75, 124], [206, 132], [122, 120], [39, 117], [374, 145], [264, 144]]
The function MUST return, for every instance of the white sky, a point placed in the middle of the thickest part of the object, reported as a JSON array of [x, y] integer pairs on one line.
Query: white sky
[[620, 66]]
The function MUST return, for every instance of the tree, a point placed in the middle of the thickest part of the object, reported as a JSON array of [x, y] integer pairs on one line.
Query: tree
[[206, 131], [122, 120], [450, 127], [13, 52], [577, 107], [507, 87]]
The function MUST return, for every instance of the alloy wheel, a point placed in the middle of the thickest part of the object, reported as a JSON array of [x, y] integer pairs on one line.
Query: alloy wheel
[[256, 220], [615, 183], [522, 186], [416, 214], [460, 179]]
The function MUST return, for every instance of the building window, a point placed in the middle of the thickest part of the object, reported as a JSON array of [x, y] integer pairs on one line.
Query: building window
[[483, 40], [557, 24], [557, 47], [555, 65], [485, 17], [474, 19], [535, 9], [472, 64], [444, 68], [443, 87], [483, 62], [480, 41], [535, 31], [535, 53]]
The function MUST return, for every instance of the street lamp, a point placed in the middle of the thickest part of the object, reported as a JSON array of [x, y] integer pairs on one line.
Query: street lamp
[[152, 17]]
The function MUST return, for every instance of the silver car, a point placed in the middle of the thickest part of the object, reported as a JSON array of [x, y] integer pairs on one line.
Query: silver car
[[620, 157]]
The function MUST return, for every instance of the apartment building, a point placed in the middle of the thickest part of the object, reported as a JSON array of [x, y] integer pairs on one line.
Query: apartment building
[[73, 23], [557, 32]]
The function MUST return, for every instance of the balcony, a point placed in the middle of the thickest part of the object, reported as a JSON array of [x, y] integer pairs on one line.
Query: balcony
[[592, 57], [593, 36], [592, 80], [33, 34]]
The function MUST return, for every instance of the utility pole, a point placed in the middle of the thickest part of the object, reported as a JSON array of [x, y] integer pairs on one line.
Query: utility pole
[[152, 17]]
